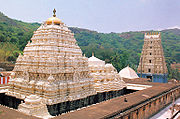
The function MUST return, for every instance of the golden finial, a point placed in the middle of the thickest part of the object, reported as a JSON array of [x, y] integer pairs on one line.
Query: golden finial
[[92, 53], [54, 11]]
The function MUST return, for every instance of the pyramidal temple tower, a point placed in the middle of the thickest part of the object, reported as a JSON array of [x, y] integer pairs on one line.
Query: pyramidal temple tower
[[52, 66], [152, 62]]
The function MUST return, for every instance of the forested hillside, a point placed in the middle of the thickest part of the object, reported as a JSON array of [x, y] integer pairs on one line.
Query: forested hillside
[[125, 47], [121, 49], [13, 37]]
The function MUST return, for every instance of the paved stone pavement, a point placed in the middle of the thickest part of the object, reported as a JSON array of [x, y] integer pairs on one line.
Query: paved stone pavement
[[166, 113]]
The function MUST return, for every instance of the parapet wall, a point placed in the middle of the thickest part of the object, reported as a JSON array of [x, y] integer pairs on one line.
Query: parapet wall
[[152, 35], [148, 108]]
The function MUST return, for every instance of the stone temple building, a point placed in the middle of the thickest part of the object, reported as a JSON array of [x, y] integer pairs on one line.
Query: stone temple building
[[152, 62], [105, 76], [53, 68]]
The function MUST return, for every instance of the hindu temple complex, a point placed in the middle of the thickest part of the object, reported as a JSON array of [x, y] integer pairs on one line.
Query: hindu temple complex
[[152, 62], [53, 79]]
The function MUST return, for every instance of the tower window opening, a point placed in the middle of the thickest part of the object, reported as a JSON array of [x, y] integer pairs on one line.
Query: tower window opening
[[150, 47], [149, 70], [149, 61], [150, 53]]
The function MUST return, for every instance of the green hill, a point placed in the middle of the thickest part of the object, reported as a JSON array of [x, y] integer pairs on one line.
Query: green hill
[[121, 49], [129, 44], [14, 35]]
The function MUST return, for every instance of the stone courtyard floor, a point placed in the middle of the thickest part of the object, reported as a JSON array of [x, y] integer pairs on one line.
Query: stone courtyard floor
[[6, 113], [166, 113]]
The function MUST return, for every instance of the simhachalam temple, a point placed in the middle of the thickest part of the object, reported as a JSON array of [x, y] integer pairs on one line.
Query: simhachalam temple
[[53, 69], [152, 62], [53, 79]]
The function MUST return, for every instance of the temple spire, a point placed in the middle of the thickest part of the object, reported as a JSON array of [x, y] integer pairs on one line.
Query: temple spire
[[54, 11], [150, 67]]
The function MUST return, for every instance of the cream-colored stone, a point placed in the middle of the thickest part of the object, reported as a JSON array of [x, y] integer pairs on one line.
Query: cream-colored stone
[[52, 67], [105, 76], [35, 106], [128, 73]]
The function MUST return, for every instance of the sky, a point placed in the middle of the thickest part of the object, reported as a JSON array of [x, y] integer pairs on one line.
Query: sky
[[100, 15]]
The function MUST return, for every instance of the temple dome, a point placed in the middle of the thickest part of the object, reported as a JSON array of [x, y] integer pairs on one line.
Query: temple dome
[[95, 61], [54, 20], [128, 72]]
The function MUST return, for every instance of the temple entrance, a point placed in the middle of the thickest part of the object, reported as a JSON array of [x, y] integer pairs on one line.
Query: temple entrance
[[149, 77]]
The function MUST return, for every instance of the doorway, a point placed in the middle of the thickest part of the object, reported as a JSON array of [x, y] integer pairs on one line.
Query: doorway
[[149, 77]]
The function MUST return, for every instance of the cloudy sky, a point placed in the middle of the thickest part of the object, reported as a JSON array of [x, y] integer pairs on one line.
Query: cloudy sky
[[100, 15]]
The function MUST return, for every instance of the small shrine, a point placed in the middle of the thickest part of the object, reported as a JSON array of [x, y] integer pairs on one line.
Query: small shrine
[[35, 106], [105, 76]]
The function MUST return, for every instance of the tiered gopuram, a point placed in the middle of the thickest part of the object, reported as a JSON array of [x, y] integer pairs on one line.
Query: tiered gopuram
[[152, 62]]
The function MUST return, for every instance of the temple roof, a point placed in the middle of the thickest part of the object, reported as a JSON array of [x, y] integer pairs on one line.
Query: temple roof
[[128, 72]]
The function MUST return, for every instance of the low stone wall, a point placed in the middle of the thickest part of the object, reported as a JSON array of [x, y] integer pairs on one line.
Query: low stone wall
[[149, 107]]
